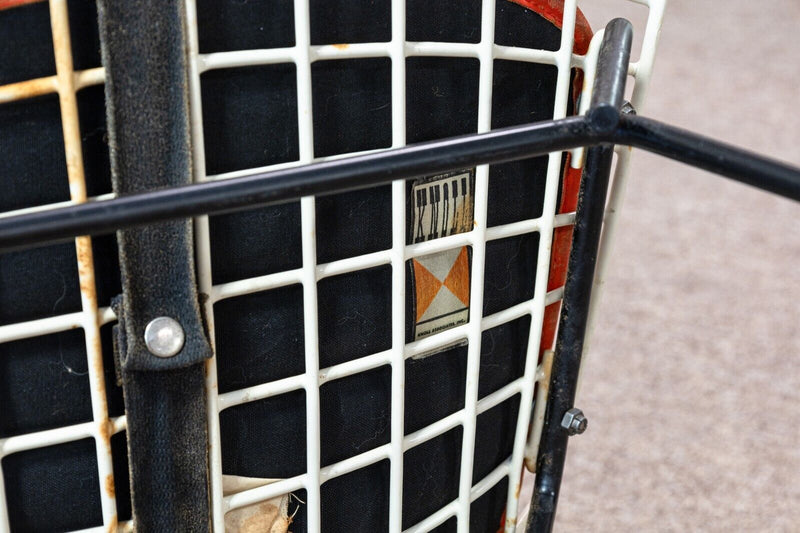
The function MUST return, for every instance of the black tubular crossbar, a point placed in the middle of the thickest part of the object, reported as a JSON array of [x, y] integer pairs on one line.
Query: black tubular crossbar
[[263, 188], [708, 154], [508, 144], [497, 146]]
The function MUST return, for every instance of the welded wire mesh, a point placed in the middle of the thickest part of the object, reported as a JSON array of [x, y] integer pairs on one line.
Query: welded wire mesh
[[66, 83]]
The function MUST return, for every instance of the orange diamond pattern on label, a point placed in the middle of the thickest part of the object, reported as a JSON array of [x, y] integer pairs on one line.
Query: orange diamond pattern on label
[[441, 284]]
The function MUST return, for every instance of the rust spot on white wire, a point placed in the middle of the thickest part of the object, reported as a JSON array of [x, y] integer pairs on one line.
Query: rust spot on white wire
[[66, 86], [23, 90], [27, 89], [105, 429], [112, 526], [535, 434], [342, 46], [109, 486], [86, 269]]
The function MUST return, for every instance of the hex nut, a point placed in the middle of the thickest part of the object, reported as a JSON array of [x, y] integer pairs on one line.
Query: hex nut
[[574, 421], [628, 109]]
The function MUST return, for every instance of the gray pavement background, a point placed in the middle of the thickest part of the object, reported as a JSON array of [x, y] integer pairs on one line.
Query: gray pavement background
[[693, 384]]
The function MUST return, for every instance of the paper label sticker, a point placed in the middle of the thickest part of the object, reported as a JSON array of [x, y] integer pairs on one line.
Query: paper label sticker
[[441, 287], [443, 205]]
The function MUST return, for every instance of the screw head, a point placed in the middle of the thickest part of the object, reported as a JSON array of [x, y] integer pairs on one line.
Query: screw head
[[164, 337], [574, 421]]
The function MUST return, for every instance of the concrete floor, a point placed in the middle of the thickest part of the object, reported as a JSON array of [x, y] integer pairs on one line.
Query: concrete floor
[[692, 387]]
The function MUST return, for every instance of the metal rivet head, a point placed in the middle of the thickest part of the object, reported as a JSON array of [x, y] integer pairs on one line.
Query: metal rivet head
[[574, 421], [164, 336]]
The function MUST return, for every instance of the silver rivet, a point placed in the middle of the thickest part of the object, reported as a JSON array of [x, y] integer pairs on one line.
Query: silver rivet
[[164, 336], [574, 421]]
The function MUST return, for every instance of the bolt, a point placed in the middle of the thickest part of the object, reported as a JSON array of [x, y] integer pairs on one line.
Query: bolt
[[627, 108], [574, 422], [164, 336]]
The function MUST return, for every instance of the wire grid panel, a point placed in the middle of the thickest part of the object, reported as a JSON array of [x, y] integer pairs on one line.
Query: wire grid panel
[[67, 82], [302, 55]]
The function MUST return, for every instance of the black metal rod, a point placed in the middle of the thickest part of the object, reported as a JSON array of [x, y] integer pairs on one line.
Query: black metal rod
[[708, 154], [519, 142], [96, 218], [608, 92], [571, 332]]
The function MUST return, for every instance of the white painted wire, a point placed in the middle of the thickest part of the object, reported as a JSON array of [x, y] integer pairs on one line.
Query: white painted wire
[[642, 72], [398, 258], [302, 24], [66, 83], [563, 63]]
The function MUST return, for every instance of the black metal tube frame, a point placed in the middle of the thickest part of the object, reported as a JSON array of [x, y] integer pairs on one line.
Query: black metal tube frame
[[509, 144], [603, 126], [607, 97]]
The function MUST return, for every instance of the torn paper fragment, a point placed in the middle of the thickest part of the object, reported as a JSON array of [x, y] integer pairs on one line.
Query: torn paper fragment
[[269, 516]]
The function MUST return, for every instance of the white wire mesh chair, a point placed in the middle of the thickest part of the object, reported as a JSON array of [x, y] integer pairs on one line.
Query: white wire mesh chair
[[67, 84]]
